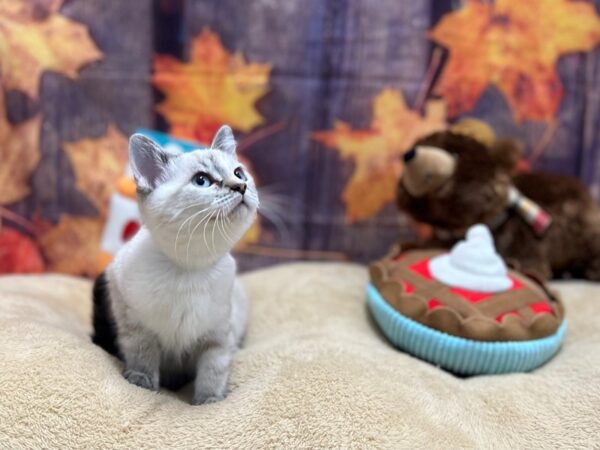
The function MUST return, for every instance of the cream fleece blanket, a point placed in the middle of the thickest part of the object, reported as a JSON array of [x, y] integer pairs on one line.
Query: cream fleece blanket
[[314, 373]]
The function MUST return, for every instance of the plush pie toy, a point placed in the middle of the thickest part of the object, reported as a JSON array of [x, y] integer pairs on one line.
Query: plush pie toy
[[545, 223], [464, 310]]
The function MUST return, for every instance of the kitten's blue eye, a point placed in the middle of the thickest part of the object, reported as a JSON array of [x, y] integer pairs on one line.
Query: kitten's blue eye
[[239, 172], [201, 179]]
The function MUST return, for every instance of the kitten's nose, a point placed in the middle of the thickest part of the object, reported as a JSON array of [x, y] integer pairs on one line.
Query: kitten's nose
[[239, 187]]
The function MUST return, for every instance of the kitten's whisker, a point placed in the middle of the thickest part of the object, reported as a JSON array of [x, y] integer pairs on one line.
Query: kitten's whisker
[[213, 232], [277, 221], [279, 199], [223, 204], [204, 231], [228, 230], [280, 203], [270, 189], [275, 208], [180, 212], [270, 211], [222, 230], [205, 218], [176, 251], [177, 215]]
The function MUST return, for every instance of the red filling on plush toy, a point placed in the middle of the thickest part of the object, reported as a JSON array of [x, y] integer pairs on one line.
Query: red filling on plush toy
[[422, 268]]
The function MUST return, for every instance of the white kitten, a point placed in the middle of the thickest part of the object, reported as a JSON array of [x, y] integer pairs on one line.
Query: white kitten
[[170, 304]]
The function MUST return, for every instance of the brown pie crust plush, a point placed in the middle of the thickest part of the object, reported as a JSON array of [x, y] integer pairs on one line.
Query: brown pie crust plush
[[528, 310]]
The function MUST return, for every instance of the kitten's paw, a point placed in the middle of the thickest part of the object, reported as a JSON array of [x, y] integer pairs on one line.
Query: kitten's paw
[[140, 379], [203, 399]]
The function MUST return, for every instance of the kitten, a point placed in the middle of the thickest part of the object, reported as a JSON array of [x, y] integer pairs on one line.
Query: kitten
[[170, 304]]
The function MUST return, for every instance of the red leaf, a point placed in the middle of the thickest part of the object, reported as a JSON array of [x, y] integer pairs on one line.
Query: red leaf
[[18, 253]]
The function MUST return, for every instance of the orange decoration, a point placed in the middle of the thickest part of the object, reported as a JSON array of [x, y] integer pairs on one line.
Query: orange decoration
[[213, 88], [98, 165], [376, 151], [34, 38], [126, 187], [513, 45]]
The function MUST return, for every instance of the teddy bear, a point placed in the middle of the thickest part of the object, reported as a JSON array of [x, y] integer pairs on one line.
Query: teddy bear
[[543, 224]]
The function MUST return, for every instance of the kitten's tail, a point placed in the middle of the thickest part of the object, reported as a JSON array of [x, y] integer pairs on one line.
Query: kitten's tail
[[105, 328]]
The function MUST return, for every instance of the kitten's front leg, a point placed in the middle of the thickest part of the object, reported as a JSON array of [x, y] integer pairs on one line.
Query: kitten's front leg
[[141, 351], [212, 373]]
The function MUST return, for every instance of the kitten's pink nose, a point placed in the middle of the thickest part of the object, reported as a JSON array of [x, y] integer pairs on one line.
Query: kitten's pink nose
[[239, 187]]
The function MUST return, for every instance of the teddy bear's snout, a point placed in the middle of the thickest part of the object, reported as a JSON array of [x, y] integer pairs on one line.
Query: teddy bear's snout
[[426, 168]]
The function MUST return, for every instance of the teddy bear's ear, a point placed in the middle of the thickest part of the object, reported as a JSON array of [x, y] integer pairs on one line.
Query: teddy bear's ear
[[506, 153]]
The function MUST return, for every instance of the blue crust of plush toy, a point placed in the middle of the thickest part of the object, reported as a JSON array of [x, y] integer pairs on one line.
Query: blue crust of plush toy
[[460, 355]]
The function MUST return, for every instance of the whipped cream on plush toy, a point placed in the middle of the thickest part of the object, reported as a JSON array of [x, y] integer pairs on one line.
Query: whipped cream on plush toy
[[473, 264]]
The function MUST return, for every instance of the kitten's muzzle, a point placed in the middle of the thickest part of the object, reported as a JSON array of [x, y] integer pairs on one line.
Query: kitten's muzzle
[[239, 187]]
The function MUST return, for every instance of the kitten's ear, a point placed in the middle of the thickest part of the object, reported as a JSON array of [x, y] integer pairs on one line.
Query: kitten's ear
[[148, 161], [224, 140]]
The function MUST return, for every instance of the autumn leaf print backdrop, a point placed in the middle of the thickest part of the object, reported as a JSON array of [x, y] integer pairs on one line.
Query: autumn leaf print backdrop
[[324, 96]]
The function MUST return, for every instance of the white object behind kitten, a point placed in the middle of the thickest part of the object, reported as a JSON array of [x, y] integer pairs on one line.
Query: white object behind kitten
[[179, 309]]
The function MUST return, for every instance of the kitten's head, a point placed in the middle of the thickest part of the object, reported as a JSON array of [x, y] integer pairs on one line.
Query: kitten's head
[[196, 205]]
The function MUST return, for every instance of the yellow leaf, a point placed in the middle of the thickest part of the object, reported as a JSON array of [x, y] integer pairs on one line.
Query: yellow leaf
[[368, 191], [73, 245], [35, 38], [19, 156], [213, 88], [513, 45], [376, 151], [98, 165]]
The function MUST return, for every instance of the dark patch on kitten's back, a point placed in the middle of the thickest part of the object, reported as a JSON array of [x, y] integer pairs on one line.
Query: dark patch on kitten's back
[[105, 328]]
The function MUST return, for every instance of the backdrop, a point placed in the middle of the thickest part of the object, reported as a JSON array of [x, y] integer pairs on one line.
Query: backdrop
[[324, 96]]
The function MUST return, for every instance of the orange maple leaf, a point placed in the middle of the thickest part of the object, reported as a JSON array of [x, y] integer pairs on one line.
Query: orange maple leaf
[[73, 245], [35, 38], [513, 45], [19, 155], [376, 151], [98, 165], [213, 88]]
